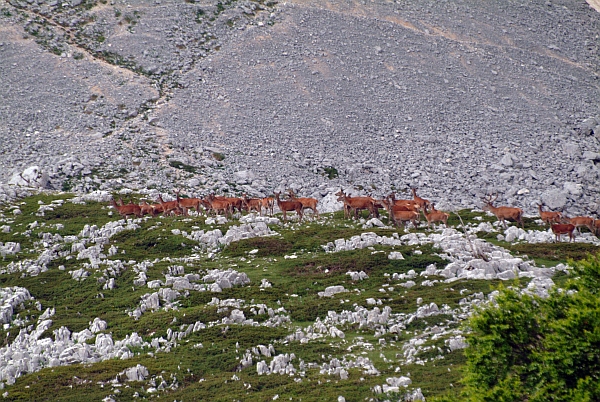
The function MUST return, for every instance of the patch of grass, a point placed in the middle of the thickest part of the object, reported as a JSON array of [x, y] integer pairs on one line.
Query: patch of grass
[[217, 155], [555, 252], [183, 166], [267, 246]]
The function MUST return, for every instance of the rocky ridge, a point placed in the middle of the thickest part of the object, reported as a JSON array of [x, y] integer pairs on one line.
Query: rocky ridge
[[257, 96]]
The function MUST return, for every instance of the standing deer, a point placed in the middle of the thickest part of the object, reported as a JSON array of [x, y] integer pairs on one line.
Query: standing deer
[[251, 204], [307, 203], [582, 221], [268, 203], [422, 202], [288, 206], [435, 216], [356, 204], [126, 210], [548, 216], [563, 228], [503, 213]]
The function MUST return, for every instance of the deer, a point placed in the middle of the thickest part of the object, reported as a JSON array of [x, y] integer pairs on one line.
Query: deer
[[307, 203], [220, 204], [188, 203], [422, 202], [400, 213], [435, 216], [251, 204], [356, 204], [288, 206], [126, 210], [597, 227], [146, 209], [563, 228], [503, 213], [268, 203], [549, 216], [169, 207], [582, 221], [411, 205]]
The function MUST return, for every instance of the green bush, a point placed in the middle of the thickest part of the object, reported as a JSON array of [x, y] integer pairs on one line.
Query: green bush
[[528, 348]]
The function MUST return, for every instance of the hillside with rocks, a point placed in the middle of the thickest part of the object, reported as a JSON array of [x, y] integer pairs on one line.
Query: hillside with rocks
[[457, 98]]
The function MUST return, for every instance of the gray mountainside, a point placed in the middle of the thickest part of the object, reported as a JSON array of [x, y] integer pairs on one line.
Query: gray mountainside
[[457, 98]]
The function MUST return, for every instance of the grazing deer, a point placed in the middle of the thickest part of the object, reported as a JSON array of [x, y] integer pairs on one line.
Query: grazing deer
[[251, 204], [548, 216], [503, 213], [288, 206], [357, 203], [563, 228], [307, 203], [268, 203], [422, 202], [126, 210], [435, 216], [582, 221]]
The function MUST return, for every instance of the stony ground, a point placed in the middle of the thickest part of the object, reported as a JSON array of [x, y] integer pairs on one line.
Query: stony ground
[[457, 98]]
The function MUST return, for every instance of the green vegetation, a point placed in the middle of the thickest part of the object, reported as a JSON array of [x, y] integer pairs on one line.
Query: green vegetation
[[206, 364], [329, 171], [183, 166], [538, 349]]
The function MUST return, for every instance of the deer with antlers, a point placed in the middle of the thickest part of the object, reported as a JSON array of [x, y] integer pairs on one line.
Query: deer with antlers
[[503, 213], [288, 206], [549, 216], [307, 203], [563, 228], [126, 210], [434, 215]]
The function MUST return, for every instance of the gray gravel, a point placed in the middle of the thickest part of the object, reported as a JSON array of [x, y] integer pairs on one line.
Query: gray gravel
[[456, 98]]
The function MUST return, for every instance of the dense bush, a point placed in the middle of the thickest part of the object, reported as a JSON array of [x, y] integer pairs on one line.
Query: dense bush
[[527, 348]]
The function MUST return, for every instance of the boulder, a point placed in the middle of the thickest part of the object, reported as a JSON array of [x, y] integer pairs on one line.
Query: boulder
[[33, 176]]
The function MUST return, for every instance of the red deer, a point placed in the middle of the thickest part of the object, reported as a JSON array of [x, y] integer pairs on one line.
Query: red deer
[[435, 216], [169, 207], [422, 202], [234, 202], [597, 227], [563, 228], [268, 203], [146, 209], [251, 204], [503, 213], [126, 210], [400, 214], [548, 216], [356, 204], [582, 221], [188, 203], [410, 205], [307, 203], [220, 204], [288, 206]]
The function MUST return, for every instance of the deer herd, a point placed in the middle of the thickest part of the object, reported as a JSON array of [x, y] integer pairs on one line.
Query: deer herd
[[400, 211]]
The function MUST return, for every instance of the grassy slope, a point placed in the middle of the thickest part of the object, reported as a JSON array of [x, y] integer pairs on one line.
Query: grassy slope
[[206, 373]]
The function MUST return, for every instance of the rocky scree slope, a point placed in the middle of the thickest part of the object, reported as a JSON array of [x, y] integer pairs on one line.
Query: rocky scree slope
[[456, 98]]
